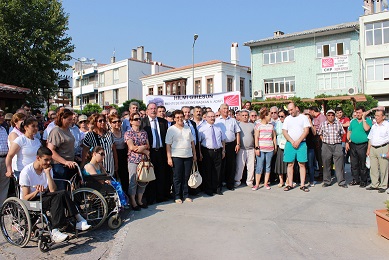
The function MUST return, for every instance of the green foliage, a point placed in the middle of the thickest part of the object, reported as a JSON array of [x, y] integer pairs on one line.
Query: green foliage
[[90, 108], [77, 111], [387, 204], [33, 46], [115, 106], [127, 104], [53, 107]]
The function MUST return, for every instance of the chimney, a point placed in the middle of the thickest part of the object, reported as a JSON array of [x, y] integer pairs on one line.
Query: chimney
[[234, 53], [278, 33], [133, 54], [148, 56], [154, 68], [113, 59], [369, 7], [140, 53], [378, 6]]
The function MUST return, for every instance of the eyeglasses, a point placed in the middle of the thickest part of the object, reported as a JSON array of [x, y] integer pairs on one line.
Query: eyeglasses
[[116, 121], [101, 121], [330, 115], [81, 122], [281, 116], [136, 119], [102, 154]]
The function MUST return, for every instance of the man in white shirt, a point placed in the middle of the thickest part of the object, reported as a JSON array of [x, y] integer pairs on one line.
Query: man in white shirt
[[379, 145]]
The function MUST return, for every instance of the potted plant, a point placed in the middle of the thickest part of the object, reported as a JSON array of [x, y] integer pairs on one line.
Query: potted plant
[[382, 217]]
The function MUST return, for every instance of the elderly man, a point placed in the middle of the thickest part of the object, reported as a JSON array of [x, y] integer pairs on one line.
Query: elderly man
[[295, 129], [253, 116], [331, 132], [357, 143], [156, 128], [4, 180], [246, 154], [318, 118], [378, 150], [232, 131], [212, 140], [132, 108], [274, 115]]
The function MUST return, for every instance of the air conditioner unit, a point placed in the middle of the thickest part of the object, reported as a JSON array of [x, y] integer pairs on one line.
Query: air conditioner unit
[[257, 94], [352, 91]]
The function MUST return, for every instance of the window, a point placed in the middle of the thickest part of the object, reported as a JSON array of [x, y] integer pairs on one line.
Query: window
[[160, 90], [115, 76], [116, 96], [333, 48], [278, 55], [101, 80], [101, 98], [377, 69], [209, 85], [336, 80], [84, 81], [230, 80], [176, 87], [151, 90], [85, 100], [279, 85], [377, 33], [241, 87], [198, 86]]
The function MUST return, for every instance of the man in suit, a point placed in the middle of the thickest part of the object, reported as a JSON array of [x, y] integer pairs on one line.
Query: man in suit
[[156, 128]]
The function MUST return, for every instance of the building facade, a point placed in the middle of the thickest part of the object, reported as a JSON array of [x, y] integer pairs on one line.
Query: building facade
[[306, 64]]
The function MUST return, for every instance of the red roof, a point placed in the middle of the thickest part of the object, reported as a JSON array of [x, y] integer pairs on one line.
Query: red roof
[[13, 89]]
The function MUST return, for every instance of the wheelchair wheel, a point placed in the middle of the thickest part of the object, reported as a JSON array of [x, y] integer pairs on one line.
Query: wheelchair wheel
[[44, 244], [15, 222], [92, 206], [114, 221]]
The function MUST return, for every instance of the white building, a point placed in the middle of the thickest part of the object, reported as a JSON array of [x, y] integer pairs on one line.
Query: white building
[[213, 76], [374, 51]]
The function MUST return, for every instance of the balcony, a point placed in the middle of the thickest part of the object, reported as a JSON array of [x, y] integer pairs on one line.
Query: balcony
[[87, 89]]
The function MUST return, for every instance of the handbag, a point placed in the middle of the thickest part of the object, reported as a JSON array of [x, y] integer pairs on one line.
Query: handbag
[[195, 178], [282, 144], [145, 171]]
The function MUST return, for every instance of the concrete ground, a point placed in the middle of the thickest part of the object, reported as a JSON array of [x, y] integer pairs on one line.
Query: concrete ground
[[325, 223]]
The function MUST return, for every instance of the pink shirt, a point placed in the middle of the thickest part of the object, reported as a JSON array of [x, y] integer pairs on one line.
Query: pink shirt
[[265, 139]]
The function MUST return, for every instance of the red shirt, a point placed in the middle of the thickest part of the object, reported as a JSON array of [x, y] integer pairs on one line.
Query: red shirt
[[344, 120]]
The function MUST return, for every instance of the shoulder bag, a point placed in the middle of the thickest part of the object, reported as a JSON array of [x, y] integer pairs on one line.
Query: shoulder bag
[[195, 178], [145, 171]]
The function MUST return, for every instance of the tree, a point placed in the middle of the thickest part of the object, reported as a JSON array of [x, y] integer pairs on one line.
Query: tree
[[33, 46], [126, 104], [90, 108]]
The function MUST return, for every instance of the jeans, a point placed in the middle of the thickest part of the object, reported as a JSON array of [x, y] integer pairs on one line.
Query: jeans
[[311, 165], [263, 158], [181, 172]]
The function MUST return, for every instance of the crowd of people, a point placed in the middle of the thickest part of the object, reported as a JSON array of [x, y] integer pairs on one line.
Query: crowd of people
[[288, 147]]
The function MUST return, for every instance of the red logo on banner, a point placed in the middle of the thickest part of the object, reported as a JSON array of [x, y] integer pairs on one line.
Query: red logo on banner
[[327, 62], [232, 100]]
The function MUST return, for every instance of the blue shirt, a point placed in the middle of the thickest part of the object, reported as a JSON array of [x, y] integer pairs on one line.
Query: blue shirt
[[205, 136], [126, 125], [188, 123], [229, 126]]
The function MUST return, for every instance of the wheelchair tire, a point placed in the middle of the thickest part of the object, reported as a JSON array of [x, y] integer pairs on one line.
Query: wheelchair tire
[[15, 222], [114, 221], [92, 206], [43, 244]]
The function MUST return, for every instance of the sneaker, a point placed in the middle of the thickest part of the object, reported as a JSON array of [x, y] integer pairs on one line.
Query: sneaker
[[237, 184], [82, 225], [312, 184], [57, 236], [267, 187], [255, 187]]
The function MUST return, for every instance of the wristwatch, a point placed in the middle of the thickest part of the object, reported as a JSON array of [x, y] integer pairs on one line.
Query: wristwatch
[[257, 148]]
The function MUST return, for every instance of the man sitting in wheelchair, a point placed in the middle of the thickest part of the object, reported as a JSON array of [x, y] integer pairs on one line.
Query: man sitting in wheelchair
[[38, 177]]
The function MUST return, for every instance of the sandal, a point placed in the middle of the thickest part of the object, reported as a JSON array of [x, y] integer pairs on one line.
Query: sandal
[[288, 188], [305, 189]]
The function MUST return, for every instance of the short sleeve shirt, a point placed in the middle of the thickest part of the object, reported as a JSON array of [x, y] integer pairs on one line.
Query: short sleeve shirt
[[358, 133], [180, 141], [265, 139], [29, 178], [63, 140], [229, 126], [295, 125], [27, 152], [137, 138]]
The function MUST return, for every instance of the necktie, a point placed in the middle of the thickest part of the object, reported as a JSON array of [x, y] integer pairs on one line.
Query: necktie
[[187, 122], [157, 139], [214, 142]]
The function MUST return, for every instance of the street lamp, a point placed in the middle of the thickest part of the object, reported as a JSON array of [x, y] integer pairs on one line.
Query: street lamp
[[194, 41], [82, 60]]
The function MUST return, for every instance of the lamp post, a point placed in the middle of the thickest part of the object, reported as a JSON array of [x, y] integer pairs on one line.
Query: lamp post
[[194, 41], [82, 60]]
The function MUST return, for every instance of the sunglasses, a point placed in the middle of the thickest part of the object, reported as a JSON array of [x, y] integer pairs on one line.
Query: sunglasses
[[136, 119], [102, 154], [273, 112], [116, 121], [101, 121], [281, 116], [81, 122]]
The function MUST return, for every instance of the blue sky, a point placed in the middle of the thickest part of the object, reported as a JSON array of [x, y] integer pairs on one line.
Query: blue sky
[[166, 28]]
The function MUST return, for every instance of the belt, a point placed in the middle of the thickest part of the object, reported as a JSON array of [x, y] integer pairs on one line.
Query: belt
[[331, 144], [379, 146], [213, 150], [359, 143], [3, 156], [155, 149]]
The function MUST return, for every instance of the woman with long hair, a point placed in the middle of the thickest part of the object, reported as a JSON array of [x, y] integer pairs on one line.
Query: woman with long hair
[[61, 143]]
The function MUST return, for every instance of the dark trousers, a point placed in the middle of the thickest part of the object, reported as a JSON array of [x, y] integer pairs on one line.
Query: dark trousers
[[358, 161], [159, 189], [62, 172], [212, 163], [181, 171], [229, 165], [317, 148], [123, 169], [333, 152], [56, 203]]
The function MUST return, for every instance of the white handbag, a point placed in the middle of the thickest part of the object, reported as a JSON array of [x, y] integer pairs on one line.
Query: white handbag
[[195, 178], [282, 144]]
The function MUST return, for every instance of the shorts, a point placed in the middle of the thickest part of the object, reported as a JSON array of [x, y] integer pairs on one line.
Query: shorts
[[291, 154]]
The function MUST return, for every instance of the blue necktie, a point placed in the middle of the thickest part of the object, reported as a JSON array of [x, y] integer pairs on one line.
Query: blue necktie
[[214, 142], [157, 139]]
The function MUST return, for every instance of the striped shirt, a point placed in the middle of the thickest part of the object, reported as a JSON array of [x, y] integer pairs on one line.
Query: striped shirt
[[265, 139], [331, 133], [3, 141]]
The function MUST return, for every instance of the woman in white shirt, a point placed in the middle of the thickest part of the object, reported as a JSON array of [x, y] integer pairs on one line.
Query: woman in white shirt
[[181, 153], [24, 146]]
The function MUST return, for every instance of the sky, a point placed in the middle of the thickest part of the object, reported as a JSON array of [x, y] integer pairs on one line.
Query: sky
[[166, 28]]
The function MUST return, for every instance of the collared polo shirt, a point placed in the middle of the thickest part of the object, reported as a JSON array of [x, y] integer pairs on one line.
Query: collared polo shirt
[[229, 126], [331, 133], [358, 133]]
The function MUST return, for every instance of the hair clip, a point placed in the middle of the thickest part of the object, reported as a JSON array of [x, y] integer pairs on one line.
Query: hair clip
[[91, 149]]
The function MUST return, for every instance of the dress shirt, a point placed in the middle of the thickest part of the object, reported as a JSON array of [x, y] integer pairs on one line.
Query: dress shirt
[[126, 126], [229, 126], [379, 134], [188, 123], [205, 136], [331, 133], [152, 131], [3, 141], [318, 120]]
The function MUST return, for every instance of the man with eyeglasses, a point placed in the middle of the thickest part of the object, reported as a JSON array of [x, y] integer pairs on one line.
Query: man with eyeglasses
[[331, 132], [274, 115], [156, 128], [253, 116], [4, 180]]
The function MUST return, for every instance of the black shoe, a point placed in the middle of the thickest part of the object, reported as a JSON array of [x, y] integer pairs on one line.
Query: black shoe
[[371, 188], [219, 192], [381, 190], [231, 188], [136, 208], [143, 206], [325, 185], [343, 186], [209, 194], [353, 183], [362, 185]]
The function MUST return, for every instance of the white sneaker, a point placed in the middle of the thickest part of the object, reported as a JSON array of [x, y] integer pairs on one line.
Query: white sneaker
[[82, 225], [57, 236]]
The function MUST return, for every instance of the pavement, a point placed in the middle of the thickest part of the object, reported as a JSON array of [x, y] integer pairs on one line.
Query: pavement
[[325, 223]]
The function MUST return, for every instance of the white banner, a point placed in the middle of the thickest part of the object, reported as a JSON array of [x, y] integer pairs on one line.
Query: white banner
[[334, 64], [232, 99]]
